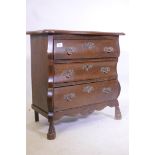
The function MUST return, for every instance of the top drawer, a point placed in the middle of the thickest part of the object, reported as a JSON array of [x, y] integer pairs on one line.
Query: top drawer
[[77, 49]]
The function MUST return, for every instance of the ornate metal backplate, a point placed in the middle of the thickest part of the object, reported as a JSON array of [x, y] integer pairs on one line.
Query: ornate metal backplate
[[107, 90], [89, 45], [88, 89], [68, 73], [105, 69], [69, 97], [69, 50], [108, 49], [86, 67]]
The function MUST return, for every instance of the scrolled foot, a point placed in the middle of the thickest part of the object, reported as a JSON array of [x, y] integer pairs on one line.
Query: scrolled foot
[[51, 136], [51, 132], [118, 115]]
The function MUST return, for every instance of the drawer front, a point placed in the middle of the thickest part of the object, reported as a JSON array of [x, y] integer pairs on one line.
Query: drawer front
[[84, 94], [77, 49], [84, 71]]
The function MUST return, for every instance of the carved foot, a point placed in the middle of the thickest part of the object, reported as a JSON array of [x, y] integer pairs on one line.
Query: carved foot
[[51, 131], [118, 115], [36, 116]]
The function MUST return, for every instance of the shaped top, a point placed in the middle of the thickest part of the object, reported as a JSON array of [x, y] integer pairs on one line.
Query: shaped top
[[53, 31]]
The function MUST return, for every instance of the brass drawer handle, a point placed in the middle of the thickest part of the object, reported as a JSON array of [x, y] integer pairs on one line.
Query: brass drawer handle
[[107, 90], [108, 49], [69, 97], [89, 45], [68, 73], [105, 69], [87, 66], [69, 50], [88, 89]]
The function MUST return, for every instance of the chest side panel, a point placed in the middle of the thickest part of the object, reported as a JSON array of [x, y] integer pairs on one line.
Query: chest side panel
[[39, 71]]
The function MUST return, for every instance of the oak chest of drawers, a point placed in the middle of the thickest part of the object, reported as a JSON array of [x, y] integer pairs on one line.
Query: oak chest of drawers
[[73, 72]]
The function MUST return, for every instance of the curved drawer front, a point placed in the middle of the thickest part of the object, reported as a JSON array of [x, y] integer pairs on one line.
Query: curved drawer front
[[84, 71], [84, 94], [76, 49]]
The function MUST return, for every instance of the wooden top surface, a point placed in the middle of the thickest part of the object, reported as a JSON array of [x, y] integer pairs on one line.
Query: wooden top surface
[[52, 31]]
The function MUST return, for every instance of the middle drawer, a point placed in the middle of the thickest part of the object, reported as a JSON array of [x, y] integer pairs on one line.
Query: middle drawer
[[84, 71]]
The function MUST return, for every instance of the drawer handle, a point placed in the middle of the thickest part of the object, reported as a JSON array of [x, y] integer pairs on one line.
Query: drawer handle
[[88, 89], [89, 45], [87, 66], [69, 50], [107, 90], [108, 49], [68, 73], [69, 97], [105, 69]]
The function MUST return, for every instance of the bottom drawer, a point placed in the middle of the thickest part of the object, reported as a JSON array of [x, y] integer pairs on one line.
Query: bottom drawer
[[84, 94]]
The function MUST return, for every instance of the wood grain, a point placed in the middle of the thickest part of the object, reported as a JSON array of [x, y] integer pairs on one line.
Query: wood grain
[[84, 71], [84, 110], [73, 72], [39, 70], [85, 94], [76, 49], [53, 31]]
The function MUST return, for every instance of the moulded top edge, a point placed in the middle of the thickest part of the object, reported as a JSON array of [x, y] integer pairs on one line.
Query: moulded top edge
[[53, 31]]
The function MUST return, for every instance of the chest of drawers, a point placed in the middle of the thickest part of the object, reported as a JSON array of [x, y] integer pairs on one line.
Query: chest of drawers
[[73, 72]]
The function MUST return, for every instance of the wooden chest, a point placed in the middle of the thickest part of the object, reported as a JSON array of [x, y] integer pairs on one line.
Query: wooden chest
[[73, 72]]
